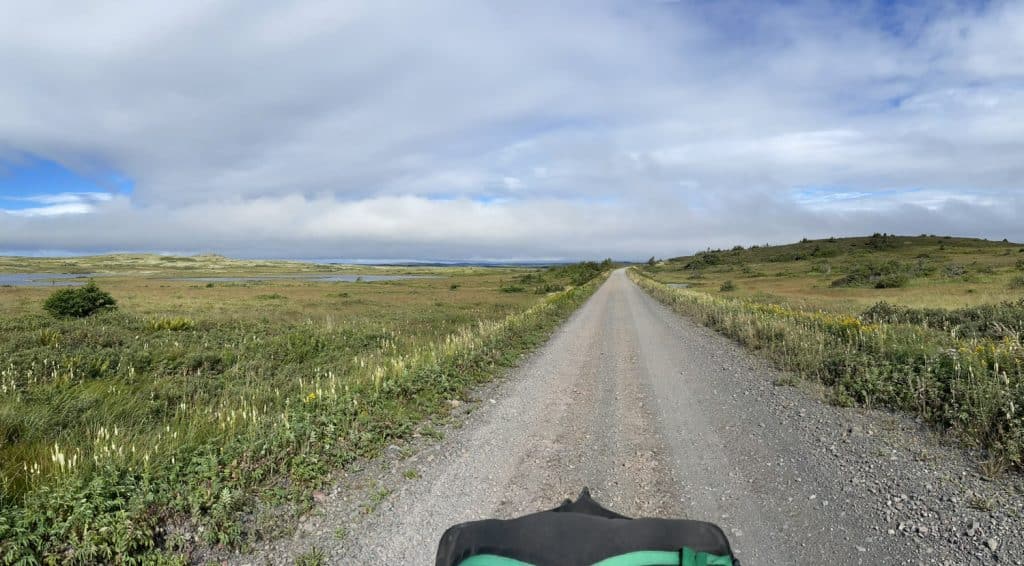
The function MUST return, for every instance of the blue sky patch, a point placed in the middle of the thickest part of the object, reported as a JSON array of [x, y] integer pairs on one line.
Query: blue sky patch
[[33, 182]]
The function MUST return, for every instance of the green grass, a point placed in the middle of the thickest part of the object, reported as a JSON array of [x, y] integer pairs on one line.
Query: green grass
[[960, 369], [313, 557], [145, 433]]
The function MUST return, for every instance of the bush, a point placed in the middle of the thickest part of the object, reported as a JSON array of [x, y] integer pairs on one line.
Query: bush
[[580, 273], [1017, 282], [727, 286], [891, 281], [79, 302], [955, 270], [883, 274]]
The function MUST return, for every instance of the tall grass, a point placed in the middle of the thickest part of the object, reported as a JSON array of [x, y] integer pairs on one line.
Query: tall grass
[[172, 463], [1000, 320], [973, 388]]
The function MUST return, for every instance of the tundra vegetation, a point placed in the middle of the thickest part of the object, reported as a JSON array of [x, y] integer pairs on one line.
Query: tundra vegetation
[[144, 433], [928, 325]]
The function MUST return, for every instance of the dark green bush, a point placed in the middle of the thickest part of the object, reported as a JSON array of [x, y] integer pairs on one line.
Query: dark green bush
[[727, 286], [79, 302], [892, 281], [704, 259], [580, 273]]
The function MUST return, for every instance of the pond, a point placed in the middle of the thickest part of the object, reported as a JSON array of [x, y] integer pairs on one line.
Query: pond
[[44, 279]]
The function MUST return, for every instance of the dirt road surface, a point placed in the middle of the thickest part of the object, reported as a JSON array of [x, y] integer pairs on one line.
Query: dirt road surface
[[661, 417]]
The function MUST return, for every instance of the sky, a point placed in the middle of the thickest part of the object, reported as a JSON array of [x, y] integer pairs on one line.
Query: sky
[[468, 129]]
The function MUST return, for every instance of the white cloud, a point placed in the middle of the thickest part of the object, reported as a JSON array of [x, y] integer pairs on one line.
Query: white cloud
[[58, 204], [532, 128], [68, 198], [52, 210]]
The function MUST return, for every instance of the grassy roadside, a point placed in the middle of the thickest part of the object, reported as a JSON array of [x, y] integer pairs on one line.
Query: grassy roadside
[[972, 387], [153, 497]]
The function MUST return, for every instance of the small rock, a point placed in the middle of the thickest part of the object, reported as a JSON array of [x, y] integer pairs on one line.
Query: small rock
[[454, 403], [992, 544], [492, 401]]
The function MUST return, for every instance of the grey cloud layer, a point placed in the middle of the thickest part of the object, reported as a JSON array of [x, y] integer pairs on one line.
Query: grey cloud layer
[[526, 129]]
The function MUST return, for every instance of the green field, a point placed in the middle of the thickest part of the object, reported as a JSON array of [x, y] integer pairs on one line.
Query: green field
[[148, 431], [928, 325], [925, 271]]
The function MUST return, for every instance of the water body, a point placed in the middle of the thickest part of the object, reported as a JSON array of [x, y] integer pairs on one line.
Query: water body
[[44, 279], [317, 278]]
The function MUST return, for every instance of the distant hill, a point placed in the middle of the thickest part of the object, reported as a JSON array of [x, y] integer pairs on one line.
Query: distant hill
[[924, 270]]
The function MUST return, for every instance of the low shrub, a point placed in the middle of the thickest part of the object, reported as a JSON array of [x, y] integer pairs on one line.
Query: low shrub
[[171, 323], [954, 270], [891, 281], [1017, 282], [822, 267], [580, 273], [704, 259], [79, 302], [994, 321], [727, 287], [883, 274]]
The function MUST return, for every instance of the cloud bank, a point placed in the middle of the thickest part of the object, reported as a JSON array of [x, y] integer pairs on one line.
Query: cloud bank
[[457, 129]]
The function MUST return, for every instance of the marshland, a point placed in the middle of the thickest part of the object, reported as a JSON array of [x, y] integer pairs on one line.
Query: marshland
[[213, 387]]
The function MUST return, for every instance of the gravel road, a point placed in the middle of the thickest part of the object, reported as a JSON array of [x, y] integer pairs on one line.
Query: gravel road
[[662, 417]]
